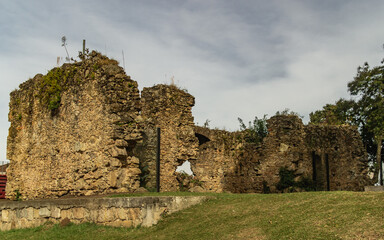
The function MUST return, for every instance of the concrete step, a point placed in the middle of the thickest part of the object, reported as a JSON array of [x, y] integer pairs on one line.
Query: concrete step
[[374, 188]]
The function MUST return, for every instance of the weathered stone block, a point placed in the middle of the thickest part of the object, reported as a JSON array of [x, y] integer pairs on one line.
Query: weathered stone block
[[80, 213], [5, 216], [94, 215], [5, 226], [118, 152], [109, 215], [67, 213], [44, 212], [122, 213], [22, 223], [30, 213]]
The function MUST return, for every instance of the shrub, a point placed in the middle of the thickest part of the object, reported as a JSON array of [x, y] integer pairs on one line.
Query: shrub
[[286, 179], [256, 131], [53, 84]]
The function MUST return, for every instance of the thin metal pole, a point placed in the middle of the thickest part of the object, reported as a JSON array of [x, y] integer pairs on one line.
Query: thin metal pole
[[327, 171], [158, 161], [314, 177], [123, 59], [83, 47]]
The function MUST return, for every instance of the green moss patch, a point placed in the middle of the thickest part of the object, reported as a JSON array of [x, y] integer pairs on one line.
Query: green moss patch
[[53, 84]]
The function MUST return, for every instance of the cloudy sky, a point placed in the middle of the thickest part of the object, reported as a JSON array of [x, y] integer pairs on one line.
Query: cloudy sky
[[241, 58]]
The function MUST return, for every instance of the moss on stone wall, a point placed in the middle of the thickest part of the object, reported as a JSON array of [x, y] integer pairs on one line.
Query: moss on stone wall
[[54, 83]]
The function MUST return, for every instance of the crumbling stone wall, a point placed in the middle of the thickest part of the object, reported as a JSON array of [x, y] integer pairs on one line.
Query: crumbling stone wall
[[170, 109], [285, 146], [228, 163], [344, 150], [297, 147], [214, 159], [225, 161], [73, 131], [84, 129]]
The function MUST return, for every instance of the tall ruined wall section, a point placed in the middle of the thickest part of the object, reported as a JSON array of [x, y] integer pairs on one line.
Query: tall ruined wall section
[[73, 131], [342, 147], [170, 109], [214, 159], [333, 157], [285, 147]]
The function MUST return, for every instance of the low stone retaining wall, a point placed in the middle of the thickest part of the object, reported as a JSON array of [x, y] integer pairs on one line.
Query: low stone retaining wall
[[119, 212], [374, 188]]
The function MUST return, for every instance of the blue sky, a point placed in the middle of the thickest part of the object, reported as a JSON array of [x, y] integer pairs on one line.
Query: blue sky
[[242, 58]]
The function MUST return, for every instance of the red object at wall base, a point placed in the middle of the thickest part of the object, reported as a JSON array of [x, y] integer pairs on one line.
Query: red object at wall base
[[3, 182]]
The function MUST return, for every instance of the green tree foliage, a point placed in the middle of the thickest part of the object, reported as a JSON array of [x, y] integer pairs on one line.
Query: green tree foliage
[[368, 85], [342, 112], [366, 111], [256, 130]]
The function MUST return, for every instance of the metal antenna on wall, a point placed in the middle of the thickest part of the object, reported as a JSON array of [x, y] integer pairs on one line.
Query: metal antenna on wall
[[123, 59], [63, 40], [83, 47]]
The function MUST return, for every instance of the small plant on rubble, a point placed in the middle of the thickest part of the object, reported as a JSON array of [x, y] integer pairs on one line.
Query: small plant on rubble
[[84, 55], [18, 195], [256, 130]]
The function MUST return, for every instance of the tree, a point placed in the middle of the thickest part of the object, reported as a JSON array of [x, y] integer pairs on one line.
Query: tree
[[368, 85], [342, 112]]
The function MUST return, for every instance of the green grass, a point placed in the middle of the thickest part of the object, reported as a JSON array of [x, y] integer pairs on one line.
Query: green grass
[[311, 215]]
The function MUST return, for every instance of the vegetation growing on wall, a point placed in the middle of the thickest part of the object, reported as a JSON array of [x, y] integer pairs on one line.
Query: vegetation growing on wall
[[56, 80], [52, 85], [287, 182], [256, 130], [366, 111]]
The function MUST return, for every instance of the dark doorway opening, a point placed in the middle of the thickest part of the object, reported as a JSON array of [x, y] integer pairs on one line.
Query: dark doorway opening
[[320, 165], [202, 139]]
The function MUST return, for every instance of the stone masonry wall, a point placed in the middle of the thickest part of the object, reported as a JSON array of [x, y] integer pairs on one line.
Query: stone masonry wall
[[170, 109], [84, 129], [348, 162], [73, 131], [117, 212], [226, 162], [214, 160], [293, 145], [284, 146]]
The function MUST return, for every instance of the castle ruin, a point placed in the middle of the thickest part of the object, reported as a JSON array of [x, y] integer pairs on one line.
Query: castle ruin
[[85, 129]]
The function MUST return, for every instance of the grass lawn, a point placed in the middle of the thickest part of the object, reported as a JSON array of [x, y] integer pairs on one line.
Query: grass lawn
[[311, 215]]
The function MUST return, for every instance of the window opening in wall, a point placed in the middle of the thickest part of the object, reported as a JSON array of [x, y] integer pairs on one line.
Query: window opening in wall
[[202, 139], [185, 167]]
